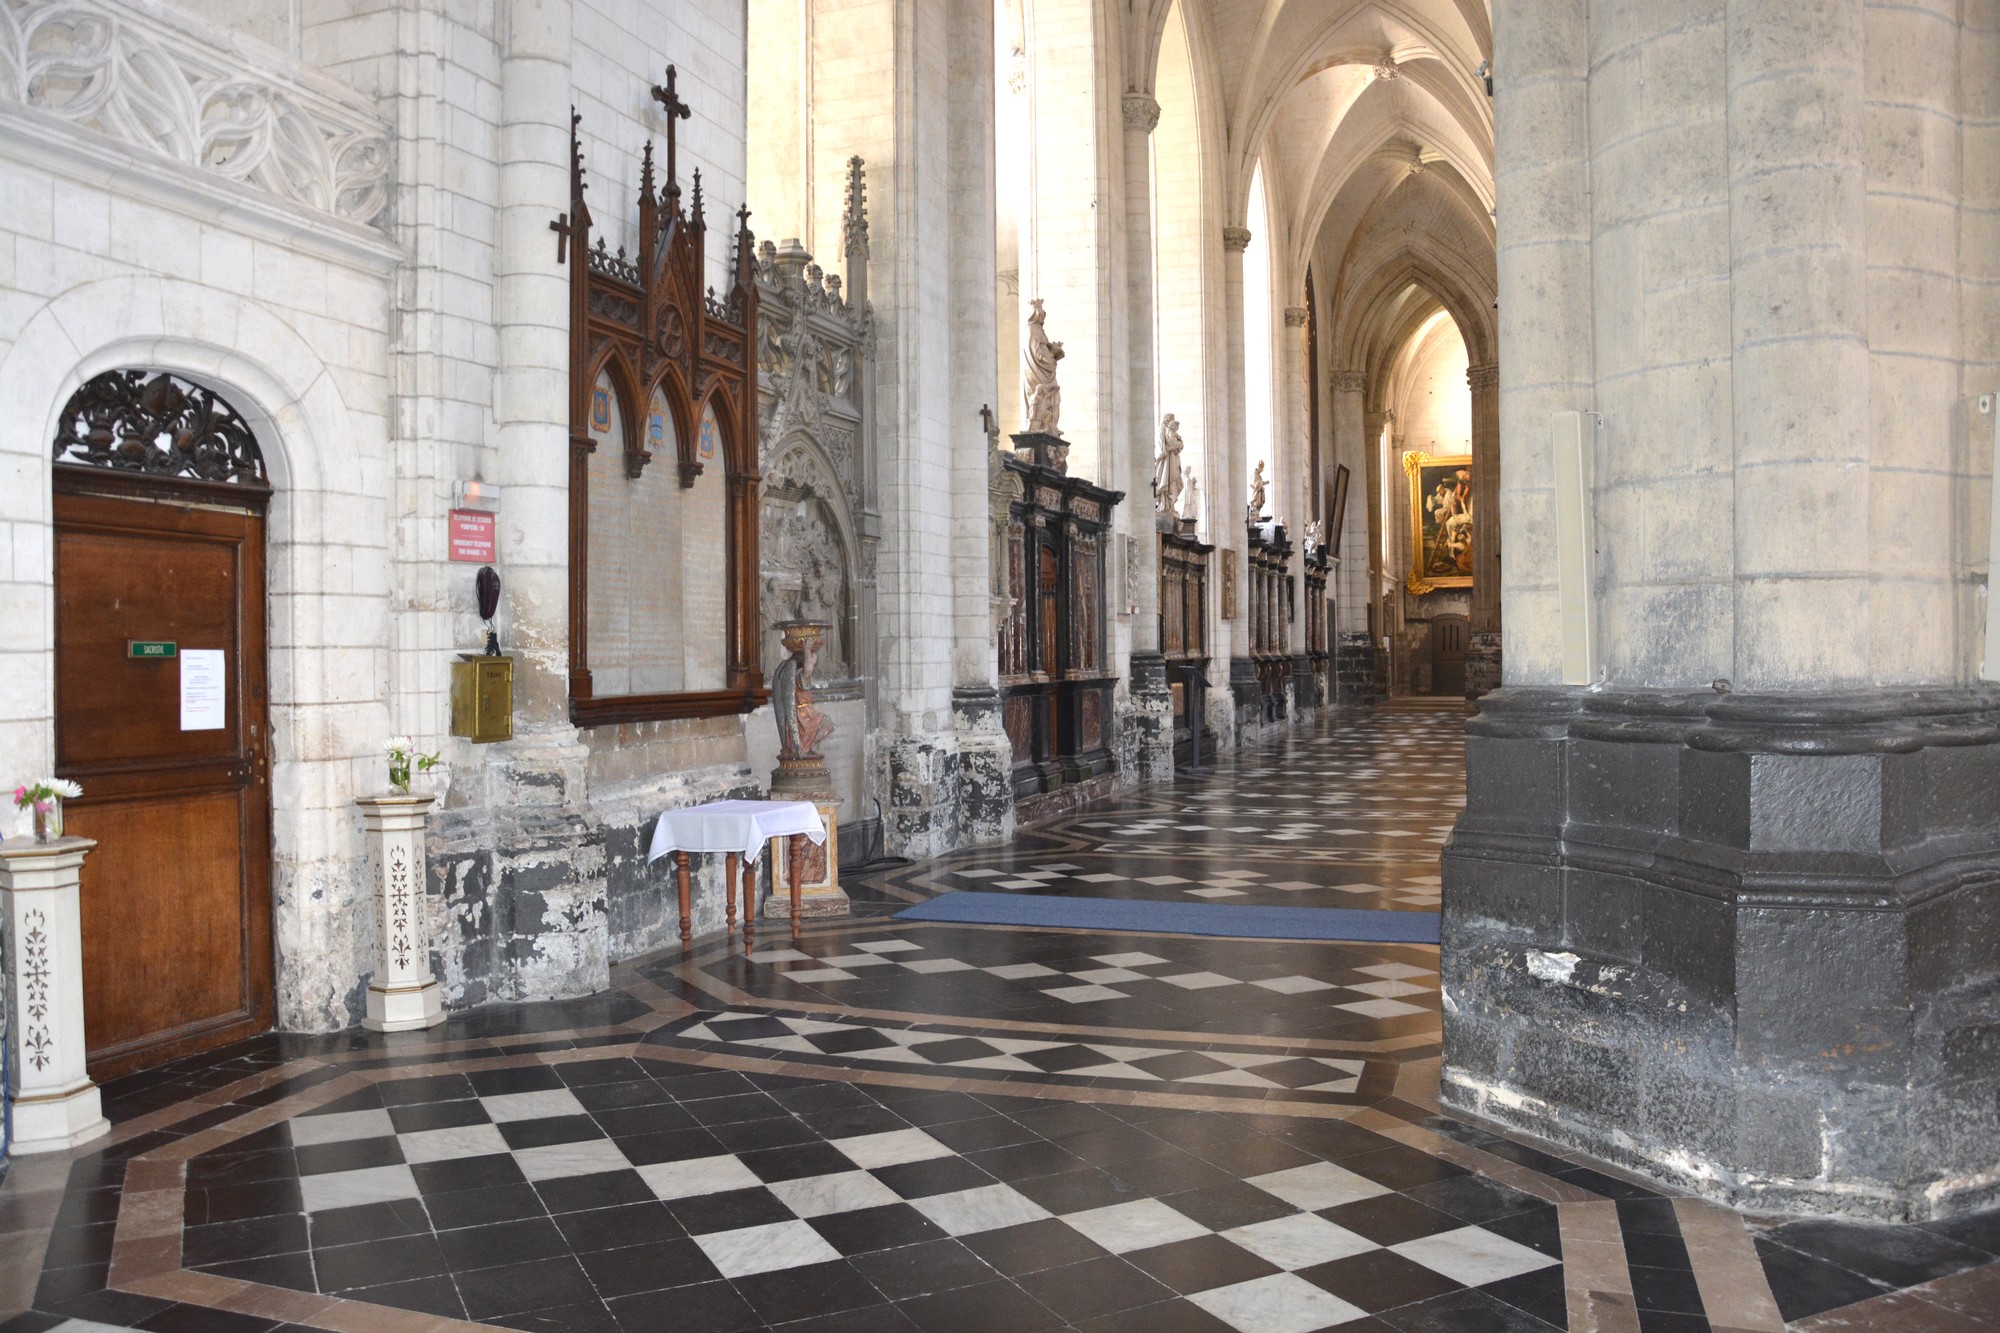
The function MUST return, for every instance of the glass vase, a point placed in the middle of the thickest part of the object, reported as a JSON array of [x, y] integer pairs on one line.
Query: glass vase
[[399, 777], [48, 819]]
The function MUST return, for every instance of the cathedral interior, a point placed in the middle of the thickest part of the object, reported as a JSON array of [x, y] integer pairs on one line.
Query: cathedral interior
[[1000, 665]]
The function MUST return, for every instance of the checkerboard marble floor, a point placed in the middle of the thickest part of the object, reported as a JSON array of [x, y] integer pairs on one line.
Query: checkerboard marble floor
[[888, 1126]]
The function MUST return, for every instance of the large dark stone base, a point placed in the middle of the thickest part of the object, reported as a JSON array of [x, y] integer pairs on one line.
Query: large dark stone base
[[1747, 945], [1355, 683], [1482, 664]]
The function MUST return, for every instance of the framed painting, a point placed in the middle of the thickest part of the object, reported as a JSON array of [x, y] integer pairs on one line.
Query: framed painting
[[1440, 521]]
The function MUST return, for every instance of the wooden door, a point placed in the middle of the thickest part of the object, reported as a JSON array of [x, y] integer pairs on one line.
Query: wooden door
[[1448, 637], [177, 895]]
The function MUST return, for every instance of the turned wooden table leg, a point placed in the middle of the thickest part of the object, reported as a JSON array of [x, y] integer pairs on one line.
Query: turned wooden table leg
[[728, 898], [798, 871], [749, 886], [687, 926]]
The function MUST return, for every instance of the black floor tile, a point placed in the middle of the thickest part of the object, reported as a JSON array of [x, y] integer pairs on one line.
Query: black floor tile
[[939, 1175], [728, 1211], [641, 1223], [713, 1307], [1170, 1317], [497, 1243], [815, 1289], [1094, 1287], [436, 1115], [1463, 1312], [584, 1317], [371, 1263], [1391, 1219], [879, 1228], [600, 1189], [653, 1266], [195, 1319], [430, 1295], [291, 1271], [1032, 1247], [1189, 1266], [796, 1161], [990, 1305], [536, 1285], [1378, 1280], [918, 1270], [1894, 1256], [1803, 1285]]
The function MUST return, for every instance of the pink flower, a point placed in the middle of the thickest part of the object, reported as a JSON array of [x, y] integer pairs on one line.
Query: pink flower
[[20, 795]]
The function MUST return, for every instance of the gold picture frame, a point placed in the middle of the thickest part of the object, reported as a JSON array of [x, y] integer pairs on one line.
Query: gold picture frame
[[1441, 552]]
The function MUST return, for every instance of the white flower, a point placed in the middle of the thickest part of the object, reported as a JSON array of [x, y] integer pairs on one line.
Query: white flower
[[398, 744], [63, 787]]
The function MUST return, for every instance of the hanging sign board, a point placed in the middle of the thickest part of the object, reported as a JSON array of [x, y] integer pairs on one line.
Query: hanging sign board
[[154, 649], [472, 537], [204, 684]]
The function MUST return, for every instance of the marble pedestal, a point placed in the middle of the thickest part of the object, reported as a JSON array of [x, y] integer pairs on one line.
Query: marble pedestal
[[404, 996], [56, 1106]]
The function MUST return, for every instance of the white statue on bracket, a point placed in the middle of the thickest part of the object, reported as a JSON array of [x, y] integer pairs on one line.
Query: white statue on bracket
[[1167, 468], [1039, 390]]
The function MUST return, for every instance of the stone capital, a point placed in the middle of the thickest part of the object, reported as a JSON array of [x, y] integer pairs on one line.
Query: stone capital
[[1483, 377], [1142, 112], [1351, 381], [1236, 239], [1295, 316]]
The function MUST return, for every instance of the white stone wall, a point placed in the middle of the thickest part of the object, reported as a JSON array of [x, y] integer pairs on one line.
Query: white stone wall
[[1738, 232]]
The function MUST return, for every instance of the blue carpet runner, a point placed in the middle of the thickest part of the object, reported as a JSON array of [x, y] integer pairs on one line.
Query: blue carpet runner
[[1257, 923]]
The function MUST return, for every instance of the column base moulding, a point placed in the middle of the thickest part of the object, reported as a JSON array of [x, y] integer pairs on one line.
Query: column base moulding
[[1747, 945]]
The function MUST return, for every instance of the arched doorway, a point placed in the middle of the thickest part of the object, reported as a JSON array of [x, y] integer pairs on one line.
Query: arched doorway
[[162, 715]]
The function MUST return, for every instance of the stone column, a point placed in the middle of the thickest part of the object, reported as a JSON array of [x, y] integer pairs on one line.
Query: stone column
[[404, 996], [1295, 488], [55, 1105], [1725, 917], [1353, 652], [1151, 719], [1482, 656], [1234, 694], [986, 756]]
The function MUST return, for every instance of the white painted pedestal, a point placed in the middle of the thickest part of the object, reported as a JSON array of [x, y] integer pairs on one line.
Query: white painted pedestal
[[56, 1106], [404, 995]]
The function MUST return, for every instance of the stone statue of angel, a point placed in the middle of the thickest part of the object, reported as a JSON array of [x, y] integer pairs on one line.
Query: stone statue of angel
[[1039, 390], [1167, 468]]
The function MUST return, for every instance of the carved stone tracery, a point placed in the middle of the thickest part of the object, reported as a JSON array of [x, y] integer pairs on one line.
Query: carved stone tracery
[[160, 82]]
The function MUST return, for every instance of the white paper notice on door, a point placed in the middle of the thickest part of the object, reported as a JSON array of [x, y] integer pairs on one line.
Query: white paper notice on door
[[204, 681]]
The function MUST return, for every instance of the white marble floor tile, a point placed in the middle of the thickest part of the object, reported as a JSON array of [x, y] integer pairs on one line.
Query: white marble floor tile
[[1473, 1256], [1126, 959], [1280, 1303], [939, 965], [891, 1149], [842, 1192], [1200, 980], [1098, 976], [889, 946], [987, 1208], [1395, 971], [447, 1145], [1021, 971], [1299, 1241], [765, 1249], [1293, 985], [699, 1175], [1318, 1185], [341, 1127], [1085, 994], [557, 1161], [1389, 990], [1381, 1008], [1138, 1225], [345, 1189], [508, 1106]]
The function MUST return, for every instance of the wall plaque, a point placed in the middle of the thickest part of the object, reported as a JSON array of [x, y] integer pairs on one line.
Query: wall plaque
[[472, 539]]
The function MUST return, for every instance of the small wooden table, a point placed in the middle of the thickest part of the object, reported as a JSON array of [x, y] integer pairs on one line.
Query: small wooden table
[[739, 828]]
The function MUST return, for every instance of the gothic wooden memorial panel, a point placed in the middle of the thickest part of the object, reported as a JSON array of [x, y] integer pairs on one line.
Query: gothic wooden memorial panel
[[663, 459]]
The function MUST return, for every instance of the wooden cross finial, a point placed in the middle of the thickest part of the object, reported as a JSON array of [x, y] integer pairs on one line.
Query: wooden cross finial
[[676, 110], [562, 230]]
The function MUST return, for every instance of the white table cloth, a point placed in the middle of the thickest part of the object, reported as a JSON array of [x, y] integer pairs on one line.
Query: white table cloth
[[742, 827]]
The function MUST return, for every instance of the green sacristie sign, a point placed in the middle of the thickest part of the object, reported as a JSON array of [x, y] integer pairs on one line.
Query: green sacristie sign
[[155, 648]]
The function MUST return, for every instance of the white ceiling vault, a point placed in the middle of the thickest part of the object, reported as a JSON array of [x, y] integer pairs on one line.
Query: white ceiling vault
[[1375, 133]]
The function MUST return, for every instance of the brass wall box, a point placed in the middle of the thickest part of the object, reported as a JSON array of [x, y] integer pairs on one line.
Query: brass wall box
[[482, 698]]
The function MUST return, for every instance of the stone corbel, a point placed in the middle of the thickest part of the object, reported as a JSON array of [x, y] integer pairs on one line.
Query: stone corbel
[[55, 1104], [404, 996]]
